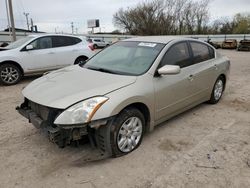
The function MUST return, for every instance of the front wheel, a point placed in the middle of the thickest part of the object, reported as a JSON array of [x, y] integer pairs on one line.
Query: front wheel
[[10, 74], [217, 90], [127, 132]]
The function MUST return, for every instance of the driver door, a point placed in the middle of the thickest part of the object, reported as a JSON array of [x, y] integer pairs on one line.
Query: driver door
[[173, 92], [42, 57]]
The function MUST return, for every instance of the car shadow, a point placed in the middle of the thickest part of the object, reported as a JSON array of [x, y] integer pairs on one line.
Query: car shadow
[[93, 154]]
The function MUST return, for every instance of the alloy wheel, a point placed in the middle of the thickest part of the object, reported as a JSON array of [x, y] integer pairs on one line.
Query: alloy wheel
[[129, 134], [9, 75], [218, 89]]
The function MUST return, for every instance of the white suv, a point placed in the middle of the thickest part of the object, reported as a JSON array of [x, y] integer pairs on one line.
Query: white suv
[[37, 54], [98, 43]]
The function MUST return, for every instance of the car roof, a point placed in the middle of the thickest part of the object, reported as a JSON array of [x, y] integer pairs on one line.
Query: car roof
[[44, 35], [156, 39]]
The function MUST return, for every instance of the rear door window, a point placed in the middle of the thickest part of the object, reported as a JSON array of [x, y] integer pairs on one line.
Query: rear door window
[[201, 52], [61, 41]]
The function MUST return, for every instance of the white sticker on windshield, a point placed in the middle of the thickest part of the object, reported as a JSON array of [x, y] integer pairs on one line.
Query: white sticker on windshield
[[147, 44]]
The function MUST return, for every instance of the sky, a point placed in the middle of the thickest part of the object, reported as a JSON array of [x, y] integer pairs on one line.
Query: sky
[[57, 15]]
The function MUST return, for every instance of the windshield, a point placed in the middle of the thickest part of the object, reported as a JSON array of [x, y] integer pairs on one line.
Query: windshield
[[19, 42], [126, 57]]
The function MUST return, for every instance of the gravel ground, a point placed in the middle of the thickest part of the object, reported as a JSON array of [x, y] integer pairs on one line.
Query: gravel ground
[[208, 146]]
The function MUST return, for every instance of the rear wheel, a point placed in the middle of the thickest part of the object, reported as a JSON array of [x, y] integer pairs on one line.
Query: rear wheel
[[217, 90], [127, 131], [80, 60], [10, 74]]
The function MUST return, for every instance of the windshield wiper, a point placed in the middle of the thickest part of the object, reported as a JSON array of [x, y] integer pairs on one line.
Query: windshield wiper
[[102, 70]]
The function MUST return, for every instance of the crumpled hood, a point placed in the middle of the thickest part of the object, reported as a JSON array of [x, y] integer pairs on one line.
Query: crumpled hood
[[64, 87]]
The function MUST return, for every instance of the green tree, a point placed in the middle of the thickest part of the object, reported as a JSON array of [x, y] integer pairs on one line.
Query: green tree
[[242, 24]]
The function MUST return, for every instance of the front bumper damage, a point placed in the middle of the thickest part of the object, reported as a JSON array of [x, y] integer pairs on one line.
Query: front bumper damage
[[43, 117]]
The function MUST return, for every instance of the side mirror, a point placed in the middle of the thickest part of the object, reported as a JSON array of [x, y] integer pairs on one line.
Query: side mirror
[[29, 47], [169, 69]]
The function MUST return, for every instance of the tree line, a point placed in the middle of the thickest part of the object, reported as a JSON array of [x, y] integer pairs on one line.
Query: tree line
[[177, 17]]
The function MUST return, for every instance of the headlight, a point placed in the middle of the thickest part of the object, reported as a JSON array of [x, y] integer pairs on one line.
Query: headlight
[[81, 112]]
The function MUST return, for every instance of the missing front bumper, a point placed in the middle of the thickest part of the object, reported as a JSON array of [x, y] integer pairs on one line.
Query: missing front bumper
[[97, 131]]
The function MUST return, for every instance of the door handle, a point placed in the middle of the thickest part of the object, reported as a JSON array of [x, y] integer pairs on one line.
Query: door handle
[[191, 77], [51, 53]]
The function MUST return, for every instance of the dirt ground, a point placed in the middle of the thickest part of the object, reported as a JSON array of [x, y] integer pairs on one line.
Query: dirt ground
[[208, 146]]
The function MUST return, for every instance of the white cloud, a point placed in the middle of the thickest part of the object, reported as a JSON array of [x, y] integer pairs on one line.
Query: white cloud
[[58, 14], [228, 8]]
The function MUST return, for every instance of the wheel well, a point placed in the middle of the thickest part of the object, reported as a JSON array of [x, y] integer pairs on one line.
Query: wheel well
[[13, 63], [84, 57], [224, 79], [144, 110]]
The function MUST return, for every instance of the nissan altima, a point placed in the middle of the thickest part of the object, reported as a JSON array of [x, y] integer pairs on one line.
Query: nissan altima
[[125, 91]]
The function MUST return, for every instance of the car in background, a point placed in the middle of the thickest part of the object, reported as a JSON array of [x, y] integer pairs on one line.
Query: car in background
[[214, 44], [4, 44], [98, 43], [229, 44], [244, 45], [124, 91], [36, 54]]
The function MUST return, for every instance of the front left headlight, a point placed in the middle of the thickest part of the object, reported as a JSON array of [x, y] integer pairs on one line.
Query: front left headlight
[[81, 112]]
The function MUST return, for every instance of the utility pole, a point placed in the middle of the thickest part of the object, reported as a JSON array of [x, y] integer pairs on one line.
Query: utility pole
[[31, 25], [27, 19], [72, 26], [13, 30], [8, 18]]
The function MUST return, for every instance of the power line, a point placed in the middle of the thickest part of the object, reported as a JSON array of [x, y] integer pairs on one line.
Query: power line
[[21, 3], [19, 10]]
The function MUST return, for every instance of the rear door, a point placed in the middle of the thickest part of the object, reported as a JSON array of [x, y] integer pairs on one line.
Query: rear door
[[66, 49], [203, 69]]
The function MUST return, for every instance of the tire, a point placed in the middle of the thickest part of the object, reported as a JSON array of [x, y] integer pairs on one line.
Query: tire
[[218, 90], [10, 74], [95, 46], [120, 131], [81, 60]]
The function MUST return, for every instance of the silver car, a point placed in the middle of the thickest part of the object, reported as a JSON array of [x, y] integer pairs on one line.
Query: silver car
[[125, 91]]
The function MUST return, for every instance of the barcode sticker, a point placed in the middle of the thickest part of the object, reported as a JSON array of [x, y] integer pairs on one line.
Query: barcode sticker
[[146, 44]]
